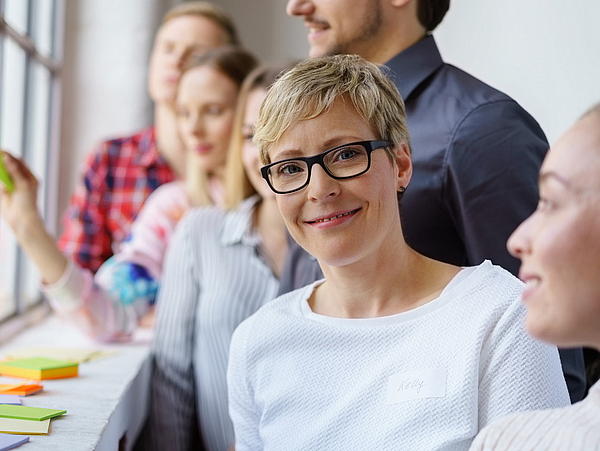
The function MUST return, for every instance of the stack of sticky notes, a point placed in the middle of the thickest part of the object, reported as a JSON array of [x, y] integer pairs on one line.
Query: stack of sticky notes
[[26, 420], [39, 368], [21, 389], [78, 355], [8, 441]]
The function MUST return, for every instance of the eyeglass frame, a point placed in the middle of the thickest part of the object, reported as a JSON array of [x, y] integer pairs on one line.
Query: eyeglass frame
[[369, 146]]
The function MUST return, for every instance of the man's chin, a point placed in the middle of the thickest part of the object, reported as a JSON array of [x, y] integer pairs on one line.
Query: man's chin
[[316, 52]]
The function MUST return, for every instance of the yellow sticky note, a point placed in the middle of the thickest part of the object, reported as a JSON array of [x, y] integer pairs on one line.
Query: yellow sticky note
[[13, 426]]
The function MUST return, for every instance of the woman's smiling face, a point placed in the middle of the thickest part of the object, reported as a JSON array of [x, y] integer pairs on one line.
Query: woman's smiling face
[[559, 245], [341, 221]]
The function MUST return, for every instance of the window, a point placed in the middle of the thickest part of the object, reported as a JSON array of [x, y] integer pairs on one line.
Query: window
[[30, 62]]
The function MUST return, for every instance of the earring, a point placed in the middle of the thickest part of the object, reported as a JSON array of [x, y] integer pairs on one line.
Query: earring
[[402, 189]]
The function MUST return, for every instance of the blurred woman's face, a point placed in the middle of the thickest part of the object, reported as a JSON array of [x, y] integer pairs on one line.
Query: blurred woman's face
[[205, 108], [250, 155], [559, 245], [174, 41]]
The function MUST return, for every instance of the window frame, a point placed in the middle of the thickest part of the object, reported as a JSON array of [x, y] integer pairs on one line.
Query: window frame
[[50, 66]]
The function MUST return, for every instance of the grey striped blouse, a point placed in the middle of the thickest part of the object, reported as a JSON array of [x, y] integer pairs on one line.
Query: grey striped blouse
[[213, 279]]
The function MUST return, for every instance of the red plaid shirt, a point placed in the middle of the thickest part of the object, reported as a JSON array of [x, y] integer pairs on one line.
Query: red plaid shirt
[[117, 178]]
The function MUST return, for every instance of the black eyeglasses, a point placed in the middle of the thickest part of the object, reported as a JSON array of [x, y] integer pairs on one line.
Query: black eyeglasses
[[342, 162]]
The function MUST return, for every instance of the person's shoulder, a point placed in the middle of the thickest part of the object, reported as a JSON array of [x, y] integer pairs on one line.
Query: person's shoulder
[[112, 151], [204, 218], [473, 92], [475, 100], [168, 191], [287, 303], [498, 275], [127, 146], [170, 198], [273, 314], [136, 139], [490, 286]]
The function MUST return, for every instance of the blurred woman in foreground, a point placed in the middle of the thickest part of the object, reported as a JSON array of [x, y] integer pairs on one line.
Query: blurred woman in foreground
[[559, 247]]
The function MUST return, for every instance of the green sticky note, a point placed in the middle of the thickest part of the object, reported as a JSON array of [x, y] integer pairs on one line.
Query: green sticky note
[[28, 413], [5, 177]]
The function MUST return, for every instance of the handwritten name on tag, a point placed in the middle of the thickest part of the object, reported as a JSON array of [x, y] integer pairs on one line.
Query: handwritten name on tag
[[427, 383]]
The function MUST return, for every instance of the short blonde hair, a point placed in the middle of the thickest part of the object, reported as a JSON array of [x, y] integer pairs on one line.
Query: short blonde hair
[[237, 184], [313, 86], [209, 11]]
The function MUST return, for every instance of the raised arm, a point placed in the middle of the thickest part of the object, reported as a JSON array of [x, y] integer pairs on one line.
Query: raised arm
[[106, 306], [19, 210]]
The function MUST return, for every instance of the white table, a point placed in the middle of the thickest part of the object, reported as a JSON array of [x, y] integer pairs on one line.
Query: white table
[[106, 404]]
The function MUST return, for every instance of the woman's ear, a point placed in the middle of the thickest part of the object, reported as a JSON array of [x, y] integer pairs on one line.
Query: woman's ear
[[403, 164]]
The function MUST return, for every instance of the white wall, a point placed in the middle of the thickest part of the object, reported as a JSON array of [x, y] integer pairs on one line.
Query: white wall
[[107, 44], [544, 53], [265, 28]]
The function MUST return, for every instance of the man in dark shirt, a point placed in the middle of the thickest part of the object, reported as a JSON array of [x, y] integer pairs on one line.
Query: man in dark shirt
[[476, 152]]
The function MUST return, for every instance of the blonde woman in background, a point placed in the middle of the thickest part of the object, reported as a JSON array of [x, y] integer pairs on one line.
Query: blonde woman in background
[[222, 266], [108, 305]]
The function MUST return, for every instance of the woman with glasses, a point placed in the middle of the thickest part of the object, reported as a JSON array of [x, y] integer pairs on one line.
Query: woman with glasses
[[391, 350], [559, 249]]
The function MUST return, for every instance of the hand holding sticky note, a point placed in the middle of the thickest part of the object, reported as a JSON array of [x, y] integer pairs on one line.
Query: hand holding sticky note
[[5, 176]]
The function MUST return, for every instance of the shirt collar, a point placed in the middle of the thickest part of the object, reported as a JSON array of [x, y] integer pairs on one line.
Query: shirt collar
[[410, 67], [237, 225], [148, 152]]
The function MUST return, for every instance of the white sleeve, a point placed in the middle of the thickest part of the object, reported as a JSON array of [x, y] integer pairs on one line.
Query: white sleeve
[[242, 409], [517, 372], [78, 297], [172, 421]]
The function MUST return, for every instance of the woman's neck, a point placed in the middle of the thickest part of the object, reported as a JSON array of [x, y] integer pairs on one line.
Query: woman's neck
[[167, 138], [216, 190], [391, 281]]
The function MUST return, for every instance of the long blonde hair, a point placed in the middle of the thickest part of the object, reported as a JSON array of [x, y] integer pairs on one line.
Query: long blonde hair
[[235, 63], [237, 184]]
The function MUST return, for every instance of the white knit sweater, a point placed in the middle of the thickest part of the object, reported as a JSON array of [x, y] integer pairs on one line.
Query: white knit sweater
[[426, 379]]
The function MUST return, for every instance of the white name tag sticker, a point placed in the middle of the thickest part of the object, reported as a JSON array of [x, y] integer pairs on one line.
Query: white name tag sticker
[[427, 383]]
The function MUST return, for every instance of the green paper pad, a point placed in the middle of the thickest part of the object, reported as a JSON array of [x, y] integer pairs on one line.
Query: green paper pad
[[10, 187], [39, 363], [28, 413]]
